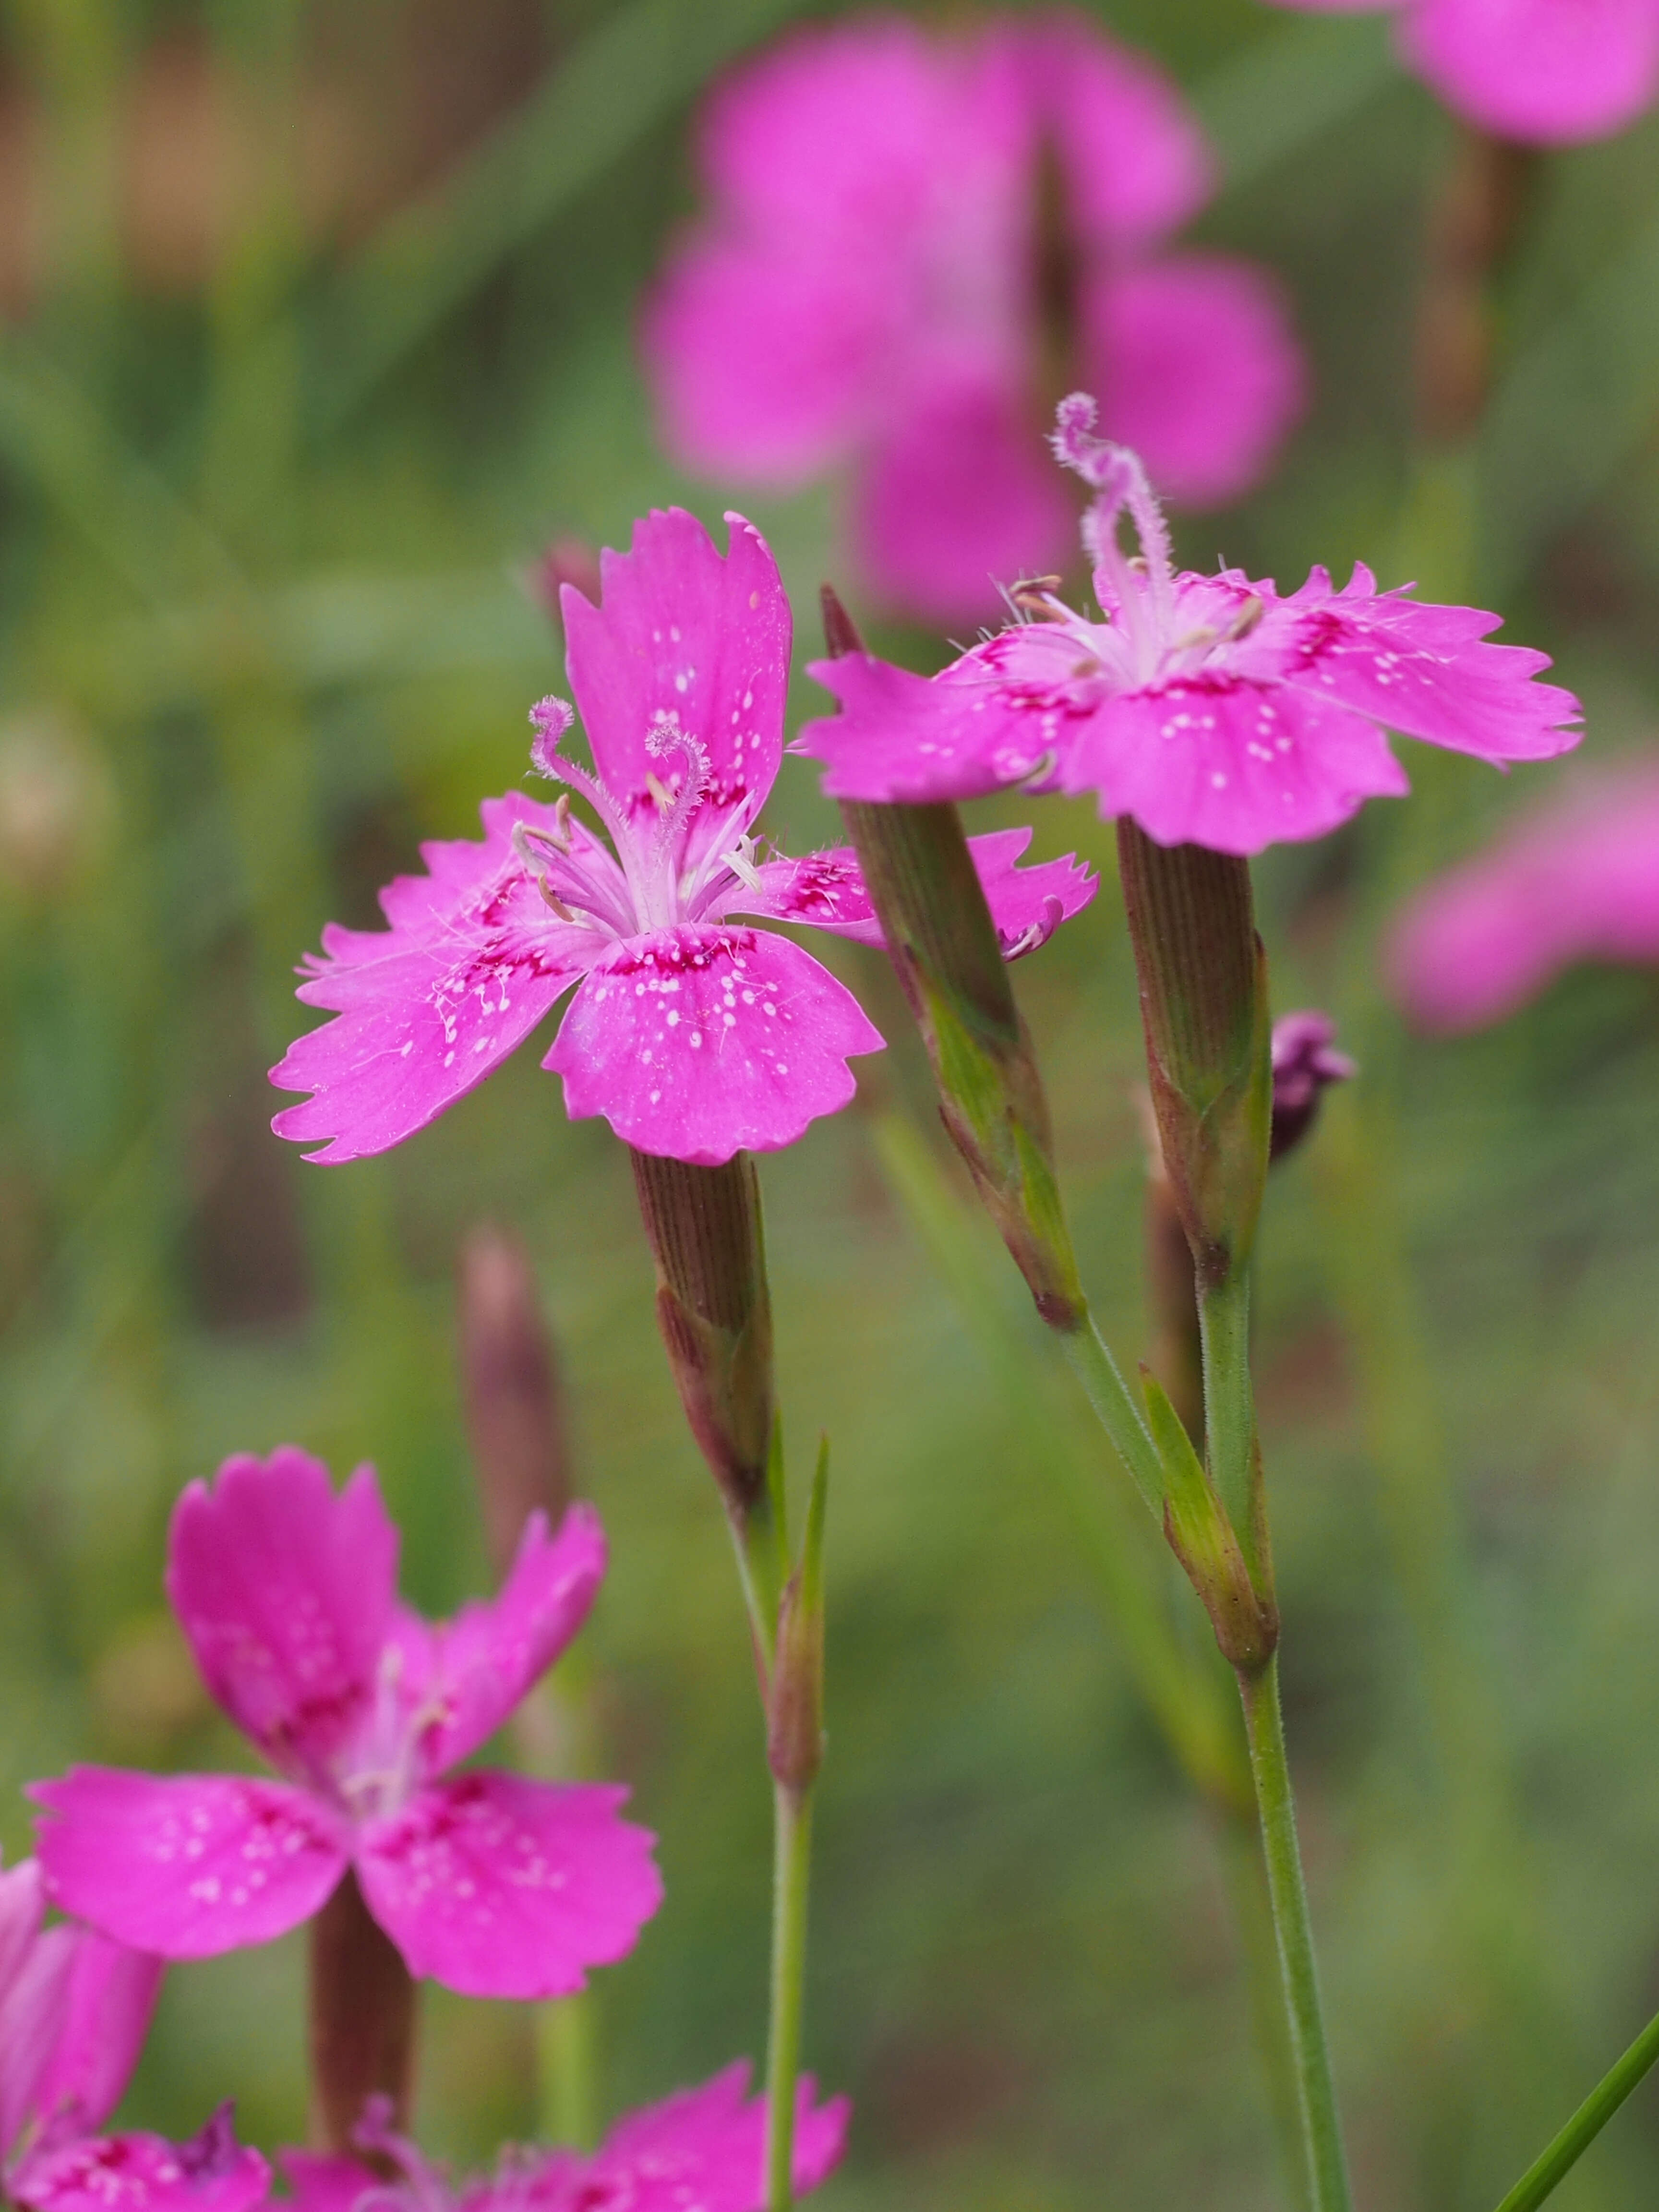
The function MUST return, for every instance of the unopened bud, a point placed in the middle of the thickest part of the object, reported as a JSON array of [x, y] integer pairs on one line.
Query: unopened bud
[[514, 1407], [704, 1226], [568, 560], [944, 949], [1306, 1062], [1204, 1008]]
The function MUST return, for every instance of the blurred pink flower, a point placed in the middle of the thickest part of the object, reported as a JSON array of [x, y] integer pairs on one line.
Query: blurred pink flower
[[1207, 708], [1575, 879], [701, 2150], [493, 1885], [74, 2009], [1542, 72], [905, 233], [694, 1036], [1305, 1064]]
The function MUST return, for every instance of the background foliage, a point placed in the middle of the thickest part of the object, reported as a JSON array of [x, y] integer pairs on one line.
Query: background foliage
[[318, 332]]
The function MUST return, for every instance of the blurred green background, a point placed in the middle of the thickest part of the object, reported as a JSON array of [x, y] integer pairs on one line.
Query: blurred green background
[[318, 332]]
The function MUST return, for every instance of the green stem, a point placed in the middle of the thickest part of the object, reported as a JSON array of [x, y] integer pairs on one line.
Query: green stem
[[754, 1544], [791, 1865], [1224, 1319], [1116, 1411], [1541, 2176], [1264, 1724]]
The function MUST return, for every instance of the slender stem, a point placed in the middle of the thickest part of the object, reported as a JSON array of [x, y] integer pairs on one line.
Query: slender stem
[[1264, 1724], [755, 1546], [1239, 1845], [1118, 1414], [1541, 2176], [791, 1865], [1223, 1316]]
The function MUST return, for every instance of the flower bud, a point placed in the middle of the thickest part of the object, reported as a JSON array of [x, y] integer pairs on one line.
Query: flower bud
[[1306, 1062], [714, 1311], [1241, 1607], [944, 950], [514, 1409], [1204, 1008]]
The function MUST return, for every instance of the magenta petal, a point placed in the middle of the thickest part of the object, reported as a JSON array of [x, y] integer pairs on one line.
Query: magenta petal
[[285, 1590], [110, 1996], [764, 360], [698, 1044], [190, 1865], [211, 2173], [489, 1655], [904, 737], [688, 638], [706, 2147], [1134, 159], [1423, 669], [958, 498], [503, 1887], [1548, 72], [1197, 369], [1029, 904], [473, 960], [1233, 766], [35, 1968], [320, 2184]]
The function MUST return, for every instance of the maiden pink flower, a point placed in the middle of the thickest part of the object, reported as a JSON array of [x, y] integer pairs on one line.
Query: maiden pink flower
[[1207, 708], [74, 2009], [905, 233], [1542, 72], [493, 1885], [696, 1035], [701, 2150], [1575, 879]]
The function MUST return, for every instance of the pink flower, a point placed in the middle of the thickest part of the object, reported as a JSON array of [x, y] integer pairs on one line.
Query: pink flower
[[1209, 709], [905, 233], [1305, 1063], [695, 1034], [1544, 72], [74, 2008], [495, 1886], [1575, 879], [699, 2151]]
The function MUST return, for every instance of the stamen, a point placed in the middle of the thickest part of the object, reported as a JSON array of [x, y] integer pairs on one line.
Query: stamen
[[662, 797]]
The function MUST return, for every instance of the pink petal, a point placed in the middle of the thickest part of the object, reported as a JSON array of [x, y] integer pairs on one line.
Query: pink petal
[[211, 2173], [1548, 72], [698, 1044], [1134, 158], [1029, 904], [318, 2184], [827, 891], [286, 1591], [1197, 369], [686, 637], [110, 1996], [1576, 880], [1202, 764], [959, 498], [473, 960], [1420, 669], [33, 1996], [765, 362], [906, 738], [484, 1660], [706, 2147], [502, 1887], [190, 1865]]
